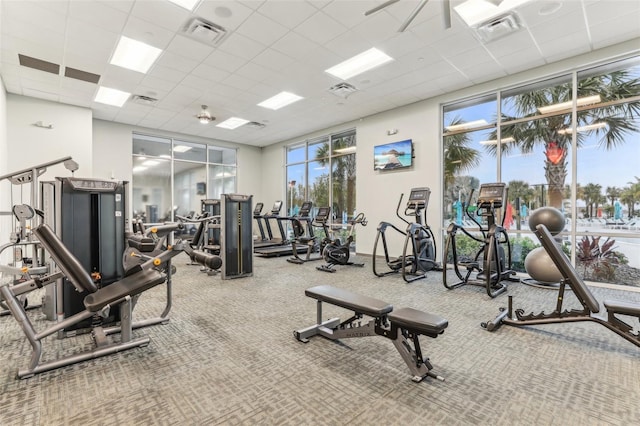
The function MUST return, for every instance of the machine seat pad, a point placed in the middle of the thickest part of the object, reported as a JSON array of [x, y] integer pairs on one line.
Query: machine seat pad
[[128, 286], [142, 243], [418, 321], [622, 307], [348, 300]]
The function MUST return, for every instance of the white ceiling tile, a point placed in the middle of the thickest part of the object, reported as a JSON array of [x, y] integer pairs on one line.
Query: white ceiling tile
[[210, 73], [110, 19], [255, 72], [320, 28], [602, 11], [25, 16], [178, 62], [166, 73], [456, 44], [294, 45], [151, 82], [228, 14], [555, 49], [262, 29], [559, 27], [287, 13], [147, 32], [83, 39], [349, 13], [238, 81], [272, 59], [121, 5], [241, 46], [377, 28], [349, 44], [45, 53], [100, 112], [522, 60], [512, 43], [189, 48], [224, 61], [615, 31], [162, 13]]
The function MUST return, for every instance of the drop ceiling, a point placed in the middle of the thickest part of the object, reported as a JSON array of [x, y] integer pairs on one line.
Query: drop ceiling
[[282, 45]]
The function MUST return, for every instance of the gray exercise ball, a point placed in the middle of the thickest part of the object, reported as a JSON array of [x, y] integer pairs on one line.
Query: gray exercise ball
[[540, 267], [551, 217]]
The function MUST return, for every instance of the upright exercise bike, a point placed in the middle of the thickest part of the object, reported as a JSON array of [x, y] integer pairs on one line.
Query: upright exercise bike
[[336, 252], [419, 252], [302, 237], [492, 263]]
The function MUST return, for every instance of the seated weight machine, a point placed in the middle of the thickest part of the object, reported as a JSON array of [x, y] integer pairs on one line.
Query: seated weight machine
[[413, 264], [492, 263], [336, 252]]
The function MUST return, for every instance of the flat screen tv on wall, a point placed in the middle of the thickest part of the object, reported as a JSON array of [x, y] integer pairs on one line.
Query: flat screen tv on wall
[[393, 156]]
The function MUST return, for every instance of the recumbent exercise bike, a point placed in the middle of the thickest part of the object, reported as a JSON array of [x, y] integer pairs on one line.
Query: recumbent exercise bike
[[492, 263], [336, 252], [416, 263]]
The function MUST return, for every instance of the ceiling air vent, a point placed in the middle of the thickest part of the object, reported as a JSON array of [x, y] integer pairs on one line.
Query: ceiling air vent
[[343, 90], [255, 125], [144, 100], [497, 27], [204, 31]]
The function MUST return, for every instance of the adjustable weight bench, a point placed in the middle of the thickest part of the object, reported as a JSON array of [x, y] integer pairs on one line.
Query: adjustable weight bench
[[97, 302], [402, 326], [590, 305]]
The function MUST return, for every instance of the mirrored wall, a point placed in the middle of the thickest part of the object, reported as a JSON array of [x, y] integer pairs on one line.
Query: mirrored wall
[[172, 176]]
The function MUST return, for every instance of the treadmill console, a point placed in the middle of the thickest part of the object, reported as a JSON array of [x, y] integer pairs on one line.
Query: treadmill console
[[257, 209], [491, 195], [305, 209], [277, 206]]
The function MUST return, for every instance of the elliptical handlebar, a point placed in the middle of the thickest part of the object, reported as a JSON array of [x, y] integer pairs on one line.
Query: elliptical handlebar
[[405, 210]]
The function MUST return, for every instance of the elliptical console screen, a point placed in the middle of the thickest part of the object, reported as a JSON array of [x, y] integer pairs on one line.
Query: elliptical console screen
[[491, 194], [419, 196], [323, 214]]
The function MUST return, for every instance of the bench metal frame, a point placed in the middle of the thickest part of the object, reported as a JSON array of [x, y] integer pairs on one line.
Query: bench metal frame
[[406, 341], [590, 305]]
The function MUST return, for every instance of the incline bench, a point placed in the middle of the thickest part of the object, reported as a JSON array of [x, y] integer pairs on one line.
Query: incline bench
[[402, 326], [590, 305]]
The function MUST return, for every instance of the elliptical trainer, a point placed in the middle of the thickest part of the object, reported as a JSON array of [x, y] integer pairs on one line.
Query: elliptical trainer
[[421, 259], [490, 262], [336, 252], [308, 238]]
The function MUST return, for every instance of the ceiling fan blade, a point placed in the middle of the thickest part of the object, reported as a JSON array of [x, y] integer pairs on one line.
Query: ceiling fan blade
[[412, 16], [446, 13], [380, 7]]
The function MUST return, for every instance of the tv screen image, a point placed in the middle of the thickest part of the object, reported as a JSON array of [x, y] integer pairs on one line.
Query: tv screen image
[[393, 156]]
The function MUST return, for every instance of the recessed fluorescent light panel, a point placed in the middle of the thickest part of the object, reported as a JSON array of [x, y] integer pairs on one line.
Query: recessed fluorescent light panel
[[280, 100], [365, 61], [187, 4], [232, 123], [134, 55], [110, 96]]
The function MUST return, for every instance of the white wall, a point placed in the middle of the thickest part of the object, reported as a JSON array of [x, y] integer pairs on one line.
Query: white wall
[[5, 221], [378, 192], [29, 145]]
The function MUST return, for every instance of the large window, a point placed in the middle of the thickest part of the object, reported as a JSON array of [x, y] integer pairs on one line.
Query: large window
[[323, 171], [171, 176], [571, 142]]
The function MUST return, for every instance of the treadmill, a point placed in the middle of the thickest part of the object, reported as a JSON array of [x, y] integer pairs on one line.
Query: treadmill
[[286, 248], [269, 240]]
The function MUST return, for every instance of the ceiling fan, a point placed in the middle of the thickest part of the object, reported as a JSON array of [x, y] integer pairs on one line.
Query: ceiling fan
[[446, 11], [446, 8]]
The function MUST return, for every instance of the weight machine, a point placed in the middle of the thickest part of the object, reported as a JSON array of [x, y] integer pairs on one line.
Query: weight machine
[[419, 250], [491, 264]]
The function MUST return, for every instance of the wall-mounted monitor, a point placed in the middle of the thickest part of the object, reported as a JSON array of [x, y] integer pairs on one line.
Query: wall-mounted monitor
[[393, 156]]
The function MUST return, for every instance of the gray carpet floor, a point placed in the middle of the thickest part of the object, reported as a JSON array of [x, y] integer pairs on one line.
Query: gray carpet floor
[[228, 356]]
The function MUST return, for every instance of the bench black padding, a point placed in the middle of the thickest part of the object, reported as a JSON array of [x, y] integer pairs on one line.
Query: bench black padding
[[622, 307], [564, 266], [65, 260], [141, 243], [345, 299], [418, 322], [128, 286]]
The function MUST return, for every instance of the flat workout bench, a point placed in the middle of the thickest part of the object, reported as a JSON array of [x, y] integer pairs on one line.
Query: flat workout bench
[[401, 326]]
